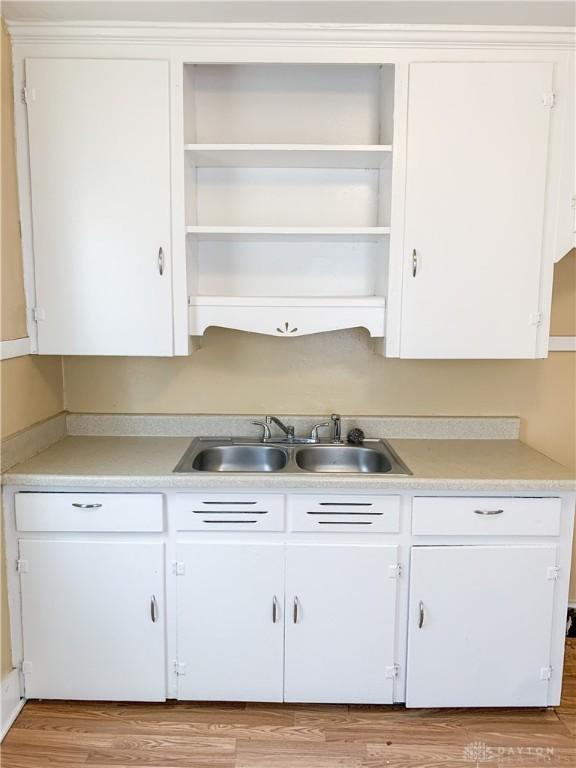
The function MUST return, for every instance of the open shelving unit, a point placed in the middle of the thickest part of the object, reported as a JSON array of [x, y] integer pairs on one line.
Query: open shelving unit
[[288, 177]]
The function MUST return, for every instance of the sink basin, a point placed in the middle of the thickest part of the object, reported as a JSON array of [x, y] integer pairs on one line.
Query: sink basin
[[342, 458], [240, 458], [241, 454]]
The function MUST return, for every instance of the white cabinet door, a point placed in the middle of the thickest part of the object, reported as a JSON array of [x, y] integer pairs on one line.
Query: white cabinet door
[[87, 618], [480, 626], [340, 623], [100, 179], [477, 150], [230, 621]]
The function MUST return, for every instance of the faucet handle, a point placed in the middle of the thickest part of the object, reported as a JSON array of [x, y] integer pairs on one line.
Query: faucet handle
[[266, 434], [315, 428]]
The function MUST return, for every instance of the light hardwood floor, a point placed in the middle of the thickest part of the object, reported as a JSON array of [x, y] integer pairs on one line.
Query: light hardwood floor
[[185, 735]]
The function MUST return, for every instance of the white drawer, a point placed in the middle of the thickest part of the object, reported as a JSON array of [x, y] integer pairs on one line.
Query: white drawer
[[364, 514], [98, 512], [485, 516], [228, 512]]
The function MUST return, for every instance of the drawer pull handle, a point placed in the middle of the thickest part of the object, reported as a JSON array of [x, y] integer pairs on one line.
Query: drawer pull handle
[[234, 503], [296, 610], [154, 609], [86, 506], [488, 511], [226, 522], [420, 614], [230, 511], [274, 609], [344, 522], [345, 503], [345, 512]]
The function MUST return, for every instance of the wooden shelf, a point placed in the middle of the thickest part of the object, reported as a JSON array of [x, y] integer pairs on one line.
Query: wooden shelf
[[289, 155], [321, 302], [303, 233]]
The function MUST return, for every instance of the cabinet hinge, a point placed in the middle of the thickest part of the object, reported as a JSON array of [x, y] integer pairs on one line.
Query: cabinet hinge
[[28, 95], [22, 566], [395, 571], [392, 671], [26, 667], [178, 569], [38, 314], [553, 573], [179, 668], [546, 673], [549, 99], [536, 318]]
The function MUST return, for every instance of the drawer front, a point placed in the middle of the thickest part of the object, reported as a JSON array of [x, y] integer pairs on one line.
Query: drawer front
[[97, 512], [228, 512], [485, 516], [325, 513]]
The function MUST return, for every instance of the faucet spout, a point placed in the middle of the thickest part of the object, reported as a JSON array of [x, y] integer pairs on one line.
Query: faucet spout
[[288, 430]]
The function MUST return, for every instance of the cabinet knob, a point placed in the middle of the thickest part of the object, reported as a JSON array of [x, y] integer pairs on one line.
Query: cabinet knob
[[414, 262], [161, 261], [154, 609], [488, 511], [296, 610], [274, 609], [420, 614], [86, 506]]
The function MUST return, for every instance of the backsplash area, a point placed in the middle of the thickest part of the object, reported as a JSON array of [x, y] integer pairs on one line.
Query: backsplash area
[[241, 373]]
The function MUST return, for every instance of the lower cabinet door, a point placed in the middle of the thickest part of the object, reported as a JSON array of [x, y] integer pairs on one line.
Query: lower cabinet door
[[93, 620], [340, 623], [230, 621], [480, 626]]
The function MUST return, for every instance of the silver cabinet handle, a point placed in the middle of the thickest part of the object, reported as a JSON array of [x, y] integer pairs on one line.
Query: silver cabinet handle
[[420, 614], [488, 511], [296, 608], [86, 506], [414, 262], [154, 609], [161, 261], [274, 609]]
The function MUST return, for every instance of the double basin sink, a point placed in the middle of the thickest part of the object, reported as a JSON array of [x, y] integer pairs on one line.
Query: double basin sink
[[245, 455]]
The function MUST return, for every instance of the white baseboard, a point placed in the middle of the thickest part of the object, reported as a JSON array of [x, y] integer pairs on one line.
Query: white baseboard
[[11, 702]]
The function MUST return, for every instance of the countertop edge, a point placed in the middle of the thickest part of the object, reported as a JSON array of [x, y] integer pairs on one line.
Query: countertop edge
[[192, 482]]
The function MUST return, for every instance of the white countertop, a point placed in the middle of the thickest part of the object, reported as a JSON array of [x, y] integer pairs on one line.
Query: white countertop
[[147, 462]]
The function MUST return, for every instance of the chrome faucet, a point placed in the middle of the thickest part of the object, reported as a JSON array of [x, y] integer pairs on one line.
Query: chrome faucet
[[288, 430], [336, 428]]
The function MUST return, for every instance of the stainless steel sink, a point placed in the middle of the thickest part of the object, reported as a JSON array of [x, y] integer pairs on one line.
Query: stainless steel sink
[[221, 454], [240, 458], [343, 458]]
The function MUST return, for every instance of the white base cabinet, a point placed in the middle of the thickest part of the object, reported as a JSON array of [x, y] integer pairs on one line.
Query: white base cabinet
[[480, 619], [230, 623], [315, 597], [340, 623], [93, 619]]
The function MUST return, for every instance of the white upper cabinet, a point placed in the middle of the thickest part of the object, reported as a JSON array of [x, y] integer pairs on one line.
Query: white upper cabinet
[[476, 166], [99, 149]]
